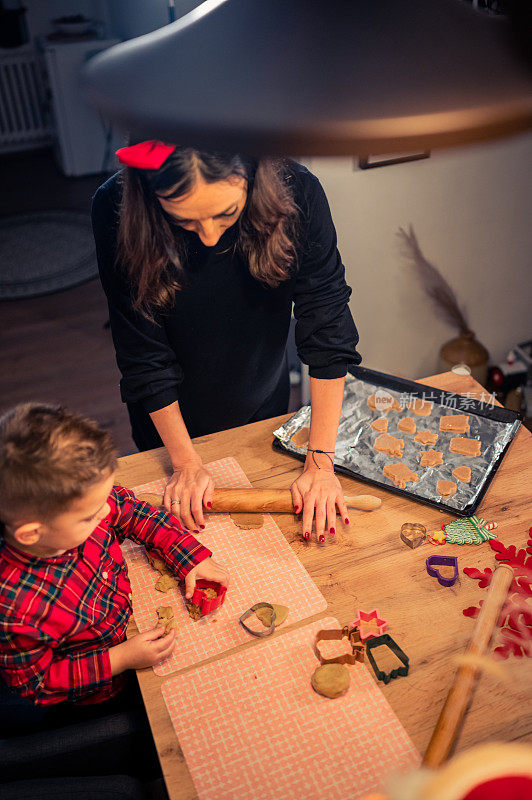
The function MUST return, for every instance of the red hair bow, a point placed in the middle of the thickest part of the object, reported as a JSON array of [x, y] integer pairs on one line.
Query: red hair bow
[[145, 155]]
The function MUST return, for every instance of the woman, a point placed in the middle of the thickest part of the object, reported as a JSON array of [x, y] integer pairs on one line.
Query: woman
[[201, 256]]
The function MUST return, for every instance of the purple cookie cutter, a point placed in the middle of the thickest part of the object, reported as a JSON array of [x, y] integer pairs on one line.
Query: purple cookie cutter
[[442, 561]]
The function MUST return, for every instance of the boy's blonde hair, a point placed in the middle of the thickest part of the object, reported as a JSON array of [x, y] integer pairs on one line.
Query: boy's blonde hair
[[49, 457]]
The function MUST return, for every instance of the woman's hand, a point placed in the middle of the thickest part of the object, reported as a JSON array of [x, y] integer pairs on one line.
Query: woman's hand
[[188, 492], [209, 570], [319, 493]]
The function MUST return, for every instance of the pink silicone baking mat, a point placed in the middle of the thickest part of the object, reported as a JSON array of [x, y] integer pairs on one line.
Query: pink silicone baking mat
[[263, 567], [251, 727]]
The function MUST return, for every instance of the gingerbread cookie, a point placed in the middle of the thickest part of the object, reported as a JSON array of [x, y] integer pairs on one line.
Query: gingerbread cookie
[[431, 458], [166, 582], [159, 565], [165, 616], [400, 474], [426, 437], [423, 408], [383, 401], [407, 425], [300, 437], [380, 425], [465, 447], [462, 474], [389, 444], [331, 680], [265, 615], [446, 488], [455, 423]]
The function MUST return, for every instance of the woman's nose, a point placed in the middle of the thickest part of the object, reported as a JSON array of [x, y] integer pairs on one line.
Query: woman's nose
[[208, 233]]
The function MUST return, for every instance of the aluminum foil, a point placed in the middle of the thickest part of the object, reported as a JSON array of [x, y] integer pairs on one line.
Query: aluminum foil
[[355, 451]]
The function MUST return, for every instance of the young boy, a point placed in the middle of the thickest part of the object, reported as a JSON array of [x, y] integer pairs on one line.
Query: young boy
[[65, 596]]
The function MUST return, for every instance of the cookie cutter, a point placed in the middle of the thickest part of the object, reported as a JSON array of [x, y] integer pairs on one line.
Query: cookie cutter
[[208, 604], [413, 528], [442, 561], [369, 616], [247, 614], [352, 634], [391, 644]]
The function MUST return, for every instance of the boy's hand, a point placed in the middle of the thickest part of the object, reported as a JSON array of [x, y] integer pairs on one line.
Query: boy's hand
[[142, 650], [209, 570]]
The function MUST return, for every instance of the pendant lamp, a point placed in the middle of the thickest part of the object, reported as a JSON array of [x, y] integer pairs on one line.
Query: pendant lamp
[[319, 77]]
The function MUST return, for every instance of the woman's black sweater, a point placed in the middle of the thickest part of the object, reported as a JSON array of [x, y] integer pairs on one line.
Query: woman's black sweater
[[220, 349]]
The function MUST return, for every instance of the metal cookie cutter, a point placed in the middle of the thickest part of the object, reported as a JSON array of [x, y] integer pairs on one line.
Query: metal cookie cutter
[[337, 634], [247, 614], [208, 604], [443, 561], [392, 645]]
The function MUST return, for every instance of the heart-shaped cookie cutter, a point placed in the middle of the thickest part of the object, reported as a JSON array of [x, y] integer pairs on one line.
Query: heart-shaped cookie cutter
[[208, 604], [247, 614], [442, 561], [337, 634], [415, 529]]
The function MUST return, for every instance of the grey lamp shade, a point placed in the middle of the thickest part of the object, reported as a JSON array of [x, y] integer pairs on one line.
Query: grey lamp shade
[[318, 77]]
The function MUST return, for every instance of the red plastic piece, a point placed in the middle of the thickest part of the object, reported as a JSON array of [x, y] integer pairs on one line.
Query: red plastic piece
[[208, 604]]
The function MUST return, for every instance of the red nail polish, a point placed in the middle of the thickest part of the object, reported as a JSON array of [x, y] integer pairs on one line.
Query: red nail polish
[[296, 510], [196, 531], [321, 539], [209, 505], [346, 521], [307, 535], [202, 527], [332, 531]]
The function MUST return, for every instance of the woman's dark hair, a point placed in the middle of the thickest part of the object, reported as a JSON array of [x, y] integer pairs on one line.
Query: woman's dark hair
[[149, 246]]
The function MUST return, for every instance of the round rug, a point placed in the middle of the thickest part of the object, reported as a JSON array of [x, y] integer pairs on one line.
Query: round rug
[[45, 251]]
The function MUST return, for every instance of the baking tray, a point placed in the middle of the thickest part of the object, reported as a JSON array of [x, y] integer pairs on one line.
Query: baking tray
[[356, 457]]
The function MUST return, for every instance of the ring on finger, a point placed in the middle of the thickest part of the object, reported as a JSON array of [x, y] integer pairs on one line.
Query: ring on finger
[[175, 503]]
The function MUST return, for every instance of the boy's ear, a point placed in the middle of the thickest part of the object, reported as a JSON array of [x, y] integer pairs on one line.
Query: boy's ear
[[28, 534]]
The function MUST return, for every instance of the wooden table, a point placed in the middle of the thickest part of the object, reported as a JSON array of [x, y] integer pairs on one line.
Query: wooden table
[[368, 566]]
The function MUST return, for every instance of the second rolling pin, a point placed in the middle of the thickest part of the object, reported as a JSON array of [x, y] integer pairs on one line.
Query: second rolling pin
[[273, 500]]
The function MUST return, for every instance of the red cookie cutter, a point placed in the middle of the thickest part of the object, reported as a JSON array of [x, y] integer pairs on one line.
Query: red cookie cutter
[[208, 604]]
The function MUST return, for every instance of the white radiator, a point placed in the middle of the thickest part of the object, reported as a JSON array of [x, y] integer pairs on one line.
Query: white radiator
[[24, 123]]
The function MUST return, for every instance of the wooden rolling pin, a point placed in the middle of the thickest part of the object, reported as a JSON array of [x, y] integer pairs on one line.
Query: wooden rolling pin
[[274, 500], [455, 706]]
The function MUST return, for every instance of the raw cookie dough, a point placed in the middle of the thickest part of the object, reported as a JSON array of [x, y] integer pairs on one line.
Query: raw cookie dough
[[300, 437], [426, 437], [423, 408], [455, 423], [166, 617], [462, 474], [446, 488], [431, 458], [407, 425], [159, 565], [166, 582], [389, 444], [400, 474], [465, 447], [194, 610], [331, 680], [380, 425], [265, 615], [388, 403], [247, 520]]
